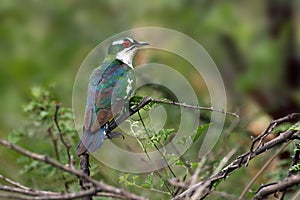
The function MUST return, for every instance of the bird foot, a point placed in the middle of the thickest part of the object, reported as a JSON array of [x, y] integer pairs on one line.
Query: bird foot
[[114, 134]]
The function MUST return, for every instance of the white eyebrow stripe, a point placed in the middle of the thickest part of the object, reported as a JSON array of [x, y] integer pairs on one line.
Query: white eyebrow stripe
[[118, 42], [131, 40]]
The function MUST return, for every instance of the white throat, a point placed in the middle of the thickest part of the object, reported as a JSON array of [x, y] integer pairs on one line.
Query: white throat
[[126, 56]]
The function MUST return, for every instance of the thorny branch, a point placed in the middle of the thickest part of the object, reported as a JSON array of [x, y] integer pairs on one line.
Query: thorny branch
[[204, 188], [84, 166], [196, 191], [147, 100]]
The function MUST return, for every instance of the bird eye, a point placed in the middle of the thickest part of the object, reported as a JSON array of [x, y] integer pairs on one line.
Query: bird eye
[[126, 43]]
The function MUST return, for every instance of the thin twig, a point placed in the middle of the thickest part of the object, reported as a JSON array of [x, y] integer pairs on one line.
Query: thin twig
[[225, 160], [28, 191], [68, 147], [146, 100], [62, 196], [54, 142], [14, 183], [184, 105], [156, 147], [263, 168], [271, 127]]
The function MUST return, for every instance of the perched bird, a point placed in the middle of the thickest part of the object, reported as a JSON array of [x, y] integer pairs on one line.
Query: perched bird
[[110, 87]]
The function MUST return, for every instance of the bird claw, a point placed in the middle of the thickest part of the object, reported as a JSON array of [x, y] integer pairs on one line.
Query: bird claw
[[114, 134]]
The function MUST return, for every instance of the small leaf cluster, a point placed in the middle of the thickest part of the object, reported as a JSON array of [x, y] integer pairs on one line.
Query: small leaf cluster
[[41, 135], [156, 140]]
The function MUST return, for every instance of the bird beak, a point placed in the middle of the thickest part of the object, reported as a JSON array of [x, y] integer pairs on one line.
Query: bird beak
[[140, 44]]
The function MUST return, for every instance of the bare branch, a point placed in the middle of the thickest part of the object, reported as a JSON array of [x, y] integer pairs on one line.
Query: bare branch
[[271, 127], [59, 196], [146, 100], [204, 187], [262, 169], [288, 182], [97, 186], [184, 105], [14, 183], [27, 191]]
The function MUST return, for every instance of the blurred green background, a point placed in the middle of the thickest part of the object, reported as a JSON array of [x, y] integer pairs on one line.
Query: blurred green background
[[255, 45]]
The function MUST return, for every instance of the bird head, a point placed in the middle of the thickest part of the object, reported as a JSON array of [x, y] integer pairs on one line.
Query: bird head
[[124, 49]]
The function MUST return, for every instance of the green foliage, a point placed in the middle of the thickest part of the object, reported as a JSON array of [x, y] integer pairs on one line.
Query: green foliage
[[159, 138], [295, 168], [282, 127], [143, 183], [15, 136], [284, 165], [199, 132], [149, 139], [295, 127], [280, 172], [187, 140], [42, 109]]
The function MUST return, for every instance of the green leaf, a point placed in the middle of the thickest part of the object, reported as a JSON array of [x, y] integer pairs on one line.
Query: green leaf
[[200, 130], [15, 136], [136, 99], [44, 114], [148, 182], [295, 127], [123, 179], [134, 179], [36, 92], [194, 164], [180, 163], [165, 133], [295, 168], [162, 182]]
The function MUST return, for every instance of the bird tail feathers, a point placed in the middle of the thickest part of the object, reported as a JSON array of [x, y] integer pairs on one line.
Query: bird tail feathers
[[90, 141]]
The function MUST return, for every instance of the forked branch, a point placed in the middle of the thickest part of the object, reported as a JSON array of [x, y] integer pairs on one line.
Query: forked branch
[[204, 188]]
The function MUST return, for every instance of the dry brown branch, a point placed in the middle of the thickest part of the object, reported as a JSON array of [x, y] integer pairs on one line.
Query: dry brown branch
[[205, 187], [288, 182], [262, 169], [96, 186]]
